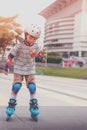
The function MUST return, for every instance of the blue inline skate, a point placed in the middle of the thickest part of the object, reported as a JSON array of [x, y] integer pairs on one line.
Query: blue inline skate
[[34, 109], [11, 108]]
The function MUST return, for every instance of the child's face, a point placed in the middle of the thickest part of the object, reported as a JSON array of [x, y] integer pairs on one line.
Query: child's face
[[31, 40]]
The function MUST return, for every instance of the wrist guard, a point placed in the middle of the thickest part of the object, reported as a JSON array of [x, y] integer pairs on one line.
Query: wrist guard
[[7, 65], [41, 57]]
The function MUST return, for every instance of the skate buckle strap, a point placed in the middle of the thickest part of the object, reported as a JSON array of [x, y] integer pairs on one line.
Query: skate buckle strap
[[12, 103], [34, 104]]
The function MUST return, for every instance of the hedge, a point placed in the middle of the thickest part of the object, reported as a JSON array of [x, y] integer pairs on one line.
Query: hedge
[[52, 59]]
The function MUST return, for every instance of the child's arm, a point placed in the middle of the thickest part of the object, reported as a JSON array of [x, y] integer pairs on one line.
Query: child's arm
[[8, 63], [41, 57]]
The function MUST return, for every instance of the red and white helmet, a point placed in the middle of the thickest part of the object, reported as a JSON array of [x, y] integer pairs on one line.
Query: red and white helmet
[[34, 30]]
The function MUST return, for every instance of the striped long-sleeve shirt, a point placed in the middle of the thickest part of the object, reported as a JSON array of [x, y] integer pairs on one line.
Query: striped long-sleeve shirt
[[24, 64]]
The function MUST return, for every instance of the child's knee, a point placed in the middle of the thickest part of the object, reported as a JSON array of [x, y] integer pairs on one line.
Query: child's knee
[[32, 87], [16, 87]]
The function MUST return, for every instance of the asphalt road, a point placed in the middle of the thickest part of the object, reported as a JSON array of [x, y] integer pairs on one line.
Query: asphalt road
[[62, 104]]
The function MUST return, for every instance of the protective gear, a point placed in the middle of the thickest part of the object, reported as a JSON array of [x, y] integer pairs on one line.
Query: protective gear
[[11, 108], [32, 87], [41, 57], [16, 87], [34, 109], [7, 66], [10, 57], [34, 30]]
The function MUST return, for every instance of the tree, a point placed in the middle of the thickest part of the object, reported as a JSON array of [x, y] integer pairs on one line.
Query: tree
[[10, 31]]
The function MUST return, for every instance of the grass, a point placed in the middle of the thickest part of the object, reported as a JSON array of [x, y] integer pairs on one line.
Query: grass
[[77, 73]]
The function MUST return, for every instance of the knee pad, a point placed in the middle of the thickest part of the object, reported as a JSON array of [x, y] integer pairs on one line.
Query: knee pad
[[16, 87], [32, 87]]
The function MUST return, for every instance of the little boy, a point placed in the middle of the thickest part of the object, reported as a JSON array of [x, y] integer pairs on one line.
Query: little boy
[[24, 54]]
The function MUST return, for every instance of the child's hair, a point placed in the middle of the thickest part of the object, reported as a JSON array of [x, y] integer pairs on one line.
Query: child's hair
[[34, 30]]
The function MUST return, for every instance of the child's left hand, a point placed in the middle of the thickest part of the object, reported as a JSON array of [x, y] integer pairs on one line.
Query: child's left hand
[[41, 57]]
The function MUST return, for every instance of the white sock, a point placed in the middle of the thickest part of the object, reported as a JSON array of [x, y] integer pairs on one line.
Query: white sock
[[13, 97]]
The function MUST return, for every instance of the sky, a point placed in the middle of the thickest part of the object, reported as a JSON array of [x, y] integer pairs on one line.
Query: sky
[[27, 10]]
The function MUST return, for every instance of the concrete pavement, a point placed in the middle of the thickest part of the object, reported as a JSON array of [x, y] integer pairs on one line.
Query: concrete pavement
[[63, 105], [51, 118]]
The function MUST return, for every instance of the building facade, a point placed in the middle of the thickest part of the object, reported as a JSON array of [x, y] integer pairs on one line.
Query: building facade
[[66, 27]]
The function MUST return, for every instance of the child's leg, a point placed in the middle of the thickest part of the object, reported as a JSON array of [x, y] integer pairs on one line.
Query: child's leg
[[15, 89], [17, 83], [31, 85]]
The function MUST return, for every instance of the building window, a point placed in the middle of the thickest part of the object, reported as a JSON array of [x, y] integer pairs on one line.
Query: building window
[[54, 40]]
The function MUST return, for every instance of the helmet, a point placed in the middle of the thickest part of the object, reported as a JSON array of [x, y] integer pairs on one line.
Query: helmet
[[34, 30]]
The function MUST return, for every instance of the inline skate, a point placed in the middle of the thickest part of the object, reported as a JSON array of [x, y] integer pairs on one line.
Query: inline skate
[[34, 109], [11, 108]]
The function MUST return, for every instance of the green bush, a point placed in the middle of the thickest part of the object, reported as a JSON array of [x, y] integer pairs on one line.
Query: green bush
[[51, 59], [56, 60], [37, 59]]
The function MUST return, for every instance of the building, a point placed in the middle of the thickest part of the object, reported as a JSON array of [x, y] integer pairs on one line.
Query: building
[[66, 27]]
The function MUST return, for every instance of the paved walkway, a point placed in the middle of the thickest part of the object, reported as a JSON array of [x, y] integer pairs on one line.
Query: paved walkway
[[62, 106], [51, 118]]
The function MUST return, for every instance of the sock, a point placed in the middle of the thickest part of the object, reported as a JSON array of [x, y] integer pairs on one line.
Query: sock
[[32, 96], [13, 97]]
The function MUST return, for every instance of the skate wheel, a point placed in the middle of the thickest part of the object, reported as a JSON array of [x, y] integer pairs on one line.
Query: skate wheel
[[8, 117], [35, 118]]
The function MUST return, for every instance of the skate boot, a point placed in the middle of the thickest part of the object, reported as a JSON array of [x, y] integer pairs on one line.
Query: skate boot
[[34, 109], [11, 108]]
